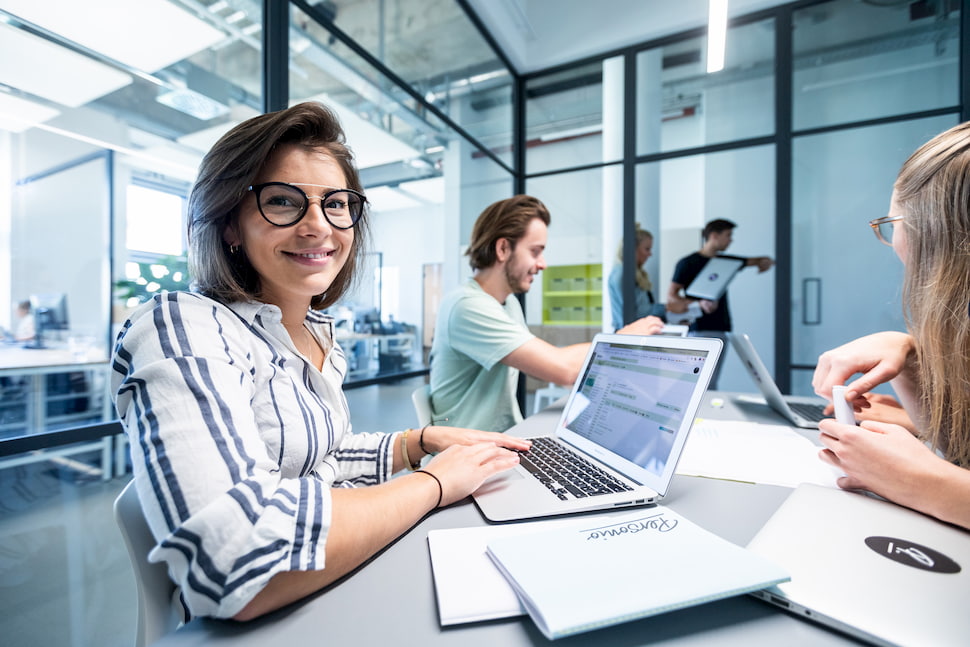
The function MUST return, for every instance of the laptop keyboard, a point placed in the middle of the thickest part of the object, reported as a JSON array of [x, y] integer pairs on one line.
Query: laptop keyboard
[[813, 412], [565, 473]]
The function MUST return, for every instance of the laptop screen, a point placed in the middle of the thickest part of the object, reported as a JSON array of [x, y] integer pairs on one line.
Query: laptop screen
[[632, 400]]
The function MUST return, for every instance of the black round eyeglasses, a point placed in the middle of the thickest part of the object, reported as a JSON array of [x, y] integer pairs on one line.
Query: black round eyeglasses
[[283, 204]]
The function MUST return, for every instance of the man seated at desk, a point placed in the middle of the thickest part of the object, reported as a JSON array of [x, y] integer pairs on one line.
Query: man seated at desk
[[481, 339]]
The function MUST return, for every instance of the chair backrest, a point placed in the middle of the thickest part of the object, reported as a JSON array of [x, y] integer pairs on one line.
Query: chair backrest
[[421, 397], [157, 615]]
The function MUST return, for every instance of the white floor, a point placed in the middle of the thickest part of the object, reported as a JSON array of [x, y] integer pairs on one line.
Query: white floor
[[65, 579]]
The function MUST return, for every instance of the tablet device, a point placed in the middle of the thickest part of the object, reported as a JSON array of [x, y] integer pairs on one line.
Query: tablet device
[[711, 282]]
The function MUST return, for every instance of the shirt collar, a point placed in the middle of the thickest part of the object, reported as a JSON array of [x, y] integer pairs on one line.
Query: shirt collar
[[249, 311]]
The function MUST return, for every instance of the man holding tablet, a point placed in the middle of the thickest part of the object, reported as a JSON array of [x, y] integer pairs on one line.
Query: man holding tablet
[[715, 317]]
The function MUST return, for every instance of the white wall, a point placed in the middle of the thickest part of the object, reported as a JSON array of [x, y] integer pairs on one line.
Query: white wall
[[59, 227], [407, 239], [6, 221]]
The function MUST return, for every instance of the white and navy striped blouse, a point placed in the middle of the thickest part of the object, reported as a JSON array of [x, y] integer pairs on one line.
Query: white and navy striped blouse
[[236, 439]]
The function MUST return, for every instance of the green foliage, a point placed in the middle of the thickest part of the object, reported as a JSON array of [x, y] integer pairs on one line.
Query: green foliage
[[167, 273]]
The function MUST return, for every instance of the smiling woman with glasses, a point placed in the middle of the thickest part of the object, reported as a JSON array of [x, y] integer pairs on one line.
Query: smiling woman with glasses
[[256, 488], [922, 462]]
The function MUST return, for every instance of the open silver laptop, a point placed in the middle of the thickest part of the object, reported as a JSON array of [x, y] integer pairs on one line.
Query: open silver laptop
[[869, 568], [628, 414], [801, 411], [713, 279]]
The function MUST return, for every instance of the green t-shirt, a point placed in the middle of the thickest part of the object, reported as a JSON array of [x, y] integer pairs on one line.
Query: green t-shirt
[[470, 387]]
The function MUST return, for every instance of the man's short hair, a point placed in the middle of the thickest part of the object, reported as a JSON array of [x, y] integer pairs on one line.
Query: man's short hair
[[508, 219], [716, 227]]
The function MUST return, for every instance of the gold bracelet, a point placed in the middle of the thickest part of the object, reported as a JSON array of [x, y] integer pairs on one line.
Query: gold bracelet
[[404, 452]]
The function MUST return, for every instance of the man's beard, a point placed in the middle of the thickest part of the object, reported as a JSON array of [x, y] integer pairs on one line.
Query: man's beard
[[518, 285]]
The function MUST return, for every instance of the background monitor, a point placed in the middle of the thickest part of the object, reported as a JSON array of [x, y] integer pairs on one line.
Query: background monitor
[[50, 314]]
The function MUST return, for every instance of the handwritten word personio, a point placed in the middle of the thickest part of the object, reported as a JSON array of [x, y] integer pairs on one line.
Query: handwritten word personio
[[655, 522]]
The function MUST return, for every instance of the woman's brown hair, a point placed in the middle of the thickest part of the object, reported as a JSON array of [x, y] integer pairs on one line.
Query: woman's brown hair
[[225, 175]]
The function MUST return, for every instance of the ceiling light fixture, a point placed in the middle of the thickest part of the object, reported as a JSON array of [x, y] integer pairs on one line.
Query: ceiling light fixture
[[716, 34], [113, 29]]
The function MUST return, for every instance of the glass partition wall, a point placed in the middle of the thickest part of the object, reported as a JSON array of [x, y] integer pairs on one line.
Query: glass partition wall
[[102, 125], [100, 139], [432, 111], [870, 83], [797, 141]]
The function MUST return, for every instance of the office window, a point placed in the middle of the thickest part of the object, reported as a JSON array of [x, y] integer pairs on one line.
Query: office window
[[677, 197], [569, 293], [82, 116], [680, 105], [864, 60], [840, 181], [437, 50], [411, 162], [574, 117], [154, 223]]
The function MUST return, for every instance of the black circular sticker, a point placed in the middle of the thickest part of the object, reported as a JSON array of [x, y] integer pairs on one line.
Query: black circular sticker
[[910, 554]]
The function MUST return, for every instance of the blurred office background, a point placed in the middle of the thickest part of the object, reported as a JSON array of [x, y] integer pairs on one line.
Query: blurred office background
[[605, 111]]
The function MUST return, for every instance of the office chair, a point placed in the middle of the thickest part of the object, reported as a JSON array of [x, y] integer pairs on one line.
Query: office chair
[[421, 397], [157, 615], [546, 396]]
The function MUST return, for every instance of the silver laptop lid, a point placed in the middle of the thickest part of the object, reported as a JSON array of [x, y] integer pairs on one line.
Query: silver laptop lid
[[870, 568], [634, 401], [766, 384], [714, 277]]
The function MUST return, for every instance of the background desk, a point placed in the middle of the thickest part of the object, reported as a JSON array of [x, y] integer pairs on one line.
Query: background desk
[[376, 357], [391, 600], [35, 365]]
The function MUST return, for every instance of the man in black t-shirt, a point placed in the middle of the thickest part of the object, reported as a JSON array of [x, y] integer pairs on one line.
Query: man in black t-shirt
[[715, 320]]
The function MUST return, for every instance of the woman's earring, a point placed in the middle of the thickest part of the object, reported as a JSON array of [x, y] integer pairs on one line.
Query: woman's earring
[[234, 249]]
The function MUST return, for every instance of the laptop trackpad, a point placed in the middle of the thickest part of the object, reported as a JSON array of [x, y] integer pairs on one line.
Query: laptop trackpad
[[499, 481]]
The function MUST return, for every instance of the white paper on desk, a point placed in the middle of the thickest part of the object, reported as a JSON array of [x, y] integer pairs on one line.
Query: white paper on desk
[[754, 453], [468, 585]]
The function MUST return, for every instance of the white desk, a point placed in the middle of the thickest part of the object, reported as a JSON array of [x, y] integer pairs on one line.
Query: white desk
[[400, 344], [36, 364], [391, 600]]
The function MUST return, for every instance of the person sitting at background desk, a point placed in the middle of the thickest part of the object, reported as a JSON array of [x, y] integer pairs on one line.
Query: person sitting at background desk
[[242, 451], [929, 369], [646, 305], [481, 340], [26, 329]]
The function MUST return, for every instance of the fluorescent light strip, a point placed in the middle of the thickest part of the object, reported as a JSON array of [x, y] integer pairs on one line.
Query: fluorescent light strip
[[18, 115], [716, 34], [148, 35], [152, 160]]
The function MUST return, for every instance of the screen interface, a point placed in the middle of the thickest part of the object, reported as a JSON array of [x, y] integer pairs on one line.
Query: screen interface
[[632, 400]]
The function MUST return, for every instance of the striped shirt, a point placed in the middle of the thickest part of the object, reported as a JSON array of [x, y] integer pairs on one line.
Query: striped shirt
[[236, 439]]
